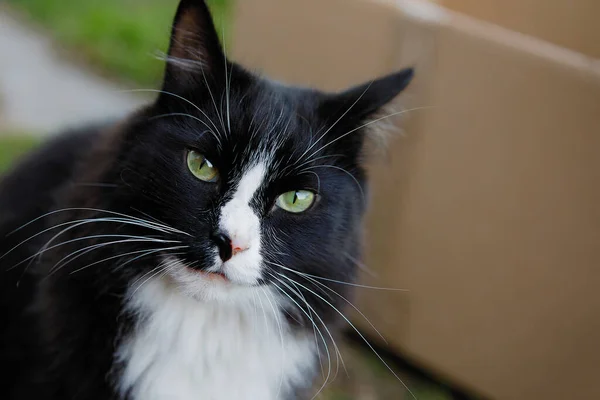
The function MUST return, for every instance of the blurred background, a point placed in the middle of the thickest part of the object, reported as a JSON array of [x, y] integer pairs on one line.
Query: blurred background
[[486, 208]]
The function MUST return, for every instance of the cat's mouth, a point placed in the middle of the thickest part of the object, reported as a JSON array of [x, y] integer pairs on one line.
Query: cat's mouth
[[213, 276], [219, 276]]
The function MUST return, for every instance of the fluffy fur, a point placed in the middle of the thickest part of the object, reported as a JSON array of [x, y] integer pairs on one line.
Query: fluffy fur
[[173, 351], [113, 285]]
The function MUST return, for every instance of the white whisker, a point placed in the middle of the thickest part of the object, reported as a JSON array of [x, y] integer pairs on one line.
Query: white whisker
[[210, 130], [365, 125], [75, 226], [165, 227], [83, 222], [326, 380], [338, 354], [297, 291], [136, 238], [349, 283], [345, 299], [179, 97], [161, 267], [359, 334], [227, 82], [362, 193], [336, 122], [299, 167], [81, 252], [212, 97], [127, 254], [362, 266]]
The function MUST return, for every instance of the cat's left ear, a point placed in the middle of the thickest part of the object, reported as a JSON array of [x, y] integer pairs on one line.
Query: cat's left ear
[[195, 48], [361, 106]]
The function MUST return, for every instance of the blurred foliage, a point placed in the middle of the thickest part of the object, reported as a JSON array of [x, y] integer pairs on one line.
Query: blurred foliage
[[12, 146], [119, 37]]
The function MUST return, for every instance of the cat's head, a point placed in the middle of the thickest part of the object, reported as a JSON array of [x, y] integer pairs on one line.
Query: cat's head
[[266, 180]]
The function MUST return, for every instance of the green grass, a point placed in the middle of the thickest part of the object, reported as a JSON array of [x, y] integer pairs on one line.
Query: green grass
[[118, 37], [13, 146]]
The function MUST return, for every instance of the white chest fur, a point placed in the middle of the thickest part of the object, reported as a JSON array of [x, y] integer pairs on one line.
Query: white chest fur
[[183, 349]]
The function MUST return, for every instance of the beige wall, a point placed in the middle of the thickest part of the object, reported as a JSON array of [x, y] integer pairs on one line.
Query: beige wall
[[574, 24]]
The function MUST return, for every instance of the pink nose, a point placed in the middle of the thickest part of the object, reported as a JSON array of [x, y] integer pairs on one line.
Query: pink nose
[[238, 246]]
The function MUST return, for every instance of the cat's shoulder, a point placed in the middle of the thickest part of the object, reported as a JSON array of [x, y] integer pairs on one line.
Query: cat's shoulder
[[34, 178]]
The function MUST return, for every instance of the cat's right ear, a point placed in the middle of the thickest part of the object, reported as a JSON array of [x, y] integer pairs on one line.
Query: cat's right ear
[[195, 50]]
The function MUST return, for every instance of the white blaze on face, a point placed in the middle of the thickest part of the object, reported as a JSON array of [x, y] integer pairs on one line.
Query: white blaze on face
[[240, 222]]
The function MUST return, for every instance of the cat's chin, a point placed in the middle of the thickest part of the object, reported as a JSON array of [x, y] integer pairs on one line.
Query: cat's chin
[[215, 277], [207, 286]]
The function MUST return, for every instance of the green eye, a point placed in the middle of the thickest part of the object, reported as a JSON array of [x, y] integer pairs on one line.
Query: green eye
[[201, 167], [296, 201]]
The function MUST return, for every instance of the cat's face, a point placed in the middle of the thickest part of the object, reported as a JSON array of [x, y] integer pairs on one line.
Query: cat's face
[[265, 180]]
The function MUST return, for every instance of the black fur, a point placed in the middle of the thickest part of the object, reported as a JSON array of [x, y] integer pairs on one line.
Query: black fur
[[60, 326]]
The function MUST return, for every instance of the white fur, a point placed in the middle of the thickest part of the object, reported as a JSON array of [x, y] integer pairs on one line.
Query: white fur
[[188, 349], [242, 225]]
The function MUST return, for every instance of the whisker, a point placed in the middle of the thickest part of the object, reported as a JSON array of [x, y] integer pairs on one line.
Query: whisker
[[127, 254], [210, 130], [361, 265], [336, 348], [314, 325], [318, 179], [219, 114], [137, 238], [342, 282], [80, 222], [298, 291], [75, 226], [227, 81], [337, 121], [150, 253], [347, 301], [95, 210], [362, 193], [154, 220], [161, 267], [152, 274], [299, 167], [176, 96], [81, 252], [361, 336], [310, 311], [365, 125]]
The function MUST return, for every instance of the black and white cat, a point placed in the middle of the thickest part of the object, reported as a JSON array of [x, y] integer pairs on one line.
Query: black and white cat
[[193, 250]]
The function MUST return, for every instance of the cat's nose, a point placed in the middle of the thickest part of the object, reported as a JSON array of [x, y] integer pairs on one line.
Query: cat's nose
[[228, 247], [237, 246], [223, 242]]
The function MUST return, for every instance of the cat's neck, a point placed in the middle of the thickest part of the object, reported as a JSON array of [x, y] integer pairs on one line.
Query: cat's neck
[[182, 347]]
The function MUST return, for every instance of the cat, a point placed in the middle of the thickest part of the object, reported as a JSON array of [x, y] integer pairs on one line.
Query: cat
[[198, 249]]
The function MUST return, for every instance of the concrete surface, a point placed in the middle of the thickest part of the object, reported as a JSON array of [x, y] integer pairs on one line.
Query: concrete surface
[[41, 92]]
